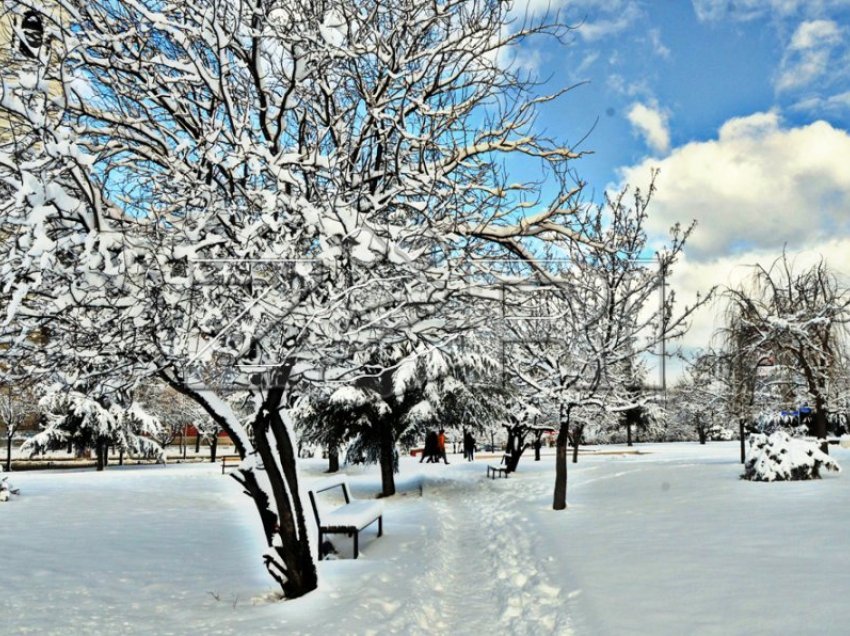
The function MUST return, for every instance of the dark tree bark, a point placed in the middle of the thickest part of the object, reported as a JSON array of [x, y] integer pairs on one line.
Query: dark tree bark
[[213, 447], [100, 453], [387, 459], [560, 495], [8, 453], [578, 431], [819, 423], [289, 559], [515, 447], [333, 458], [197, 441], [701, 431]]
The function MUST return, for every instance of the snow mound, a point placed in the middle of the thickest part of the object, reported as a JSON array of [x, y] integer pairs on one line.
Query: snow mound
[[6, 490], [779, 457]]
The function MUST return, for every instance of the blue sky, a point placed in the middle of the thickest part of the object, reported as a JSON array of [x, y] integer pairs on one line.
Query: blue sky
[[743, 105]]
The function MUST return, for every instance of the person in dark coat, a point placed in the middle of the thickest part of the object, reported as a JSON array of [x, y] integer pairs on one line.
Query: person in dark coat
[[430, 450], [468, 446]]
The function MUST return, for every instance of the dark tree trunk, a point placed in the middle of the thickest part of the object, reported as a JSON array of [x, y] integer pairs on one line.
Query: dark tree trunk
[[121, 457], [515, 447], [742, 433], [289, 559], [560, 495], [820, 423], [213, 447], [387, 459], [70, 446], [100, 454], [333, 458], [537, 437], [197, 441], [9, 452], [577, 433], [628, 431]]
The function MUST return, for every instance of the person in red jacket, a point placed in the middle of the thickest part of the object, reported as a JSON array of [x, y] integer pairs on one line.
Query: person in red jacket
[[441, 445]]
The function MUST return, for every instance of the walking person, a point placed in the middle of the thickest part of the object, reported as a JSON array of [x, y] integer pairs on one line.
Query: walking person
[[441, 446], [468, 446], [430, 451]]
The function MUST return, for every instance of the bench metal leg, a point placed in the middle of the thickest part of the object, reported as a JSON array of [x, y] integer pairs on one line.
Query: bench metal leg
[[380, 525], [356, 546], [321, 549]]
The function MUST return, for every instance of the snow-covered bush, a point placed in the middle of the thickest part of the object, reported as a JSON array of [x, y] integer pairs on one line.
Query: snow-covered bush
[[779, 457], [6, 490]]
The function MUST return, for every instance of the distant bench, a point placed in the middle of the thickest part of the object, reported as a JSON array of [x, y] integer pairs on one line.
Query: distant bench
[[349, 518], [230, 461], [498, 471]]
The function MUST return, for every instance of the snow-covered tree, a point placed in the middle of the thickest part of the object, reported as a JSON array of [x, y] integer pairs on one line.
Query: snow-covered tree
[[87, 423], [699, 399], [175, 413], [238, 196], [399, 395], [18, 404], [590, 316], [796, 318]]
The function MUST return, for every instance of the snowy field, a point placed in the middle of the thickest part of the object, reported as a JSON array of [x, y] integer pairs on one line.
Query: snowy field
[[668, 542]]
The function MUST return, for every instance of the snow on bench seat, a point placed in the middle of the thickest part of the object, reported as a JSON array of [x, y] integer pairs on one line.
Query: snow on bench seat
[[349, 518], [354, 514]]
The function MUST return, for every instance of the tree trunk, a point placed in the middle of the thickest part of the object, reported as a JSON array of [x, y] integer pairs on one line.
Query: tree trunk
[[628, 430], [333, 458], [820, 423], [289, 559], [560, 495], [515, 447], [213, 447], [387, 459], [742, 433], [577, 433], [9, 452], [197, 441], [537, 448], [100, 454]]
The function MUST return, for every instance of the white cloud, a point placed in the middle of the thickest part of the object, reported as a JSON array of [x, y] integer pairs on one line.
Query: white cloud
[[657, 45], [809, 53], [711, 10], [615, 22], [832, 104], [815, 33], [651, 123], [757, 188]]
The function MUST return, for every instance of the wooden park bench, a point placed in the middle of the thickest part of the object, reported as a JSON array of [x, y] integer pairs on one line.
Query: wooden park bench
[[498, 471], [230, 461], [349, 518]]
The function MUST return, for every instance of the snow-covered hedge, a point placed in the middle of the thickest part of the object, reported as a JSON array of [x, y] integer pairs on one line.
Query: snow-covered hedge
[[779, 457]]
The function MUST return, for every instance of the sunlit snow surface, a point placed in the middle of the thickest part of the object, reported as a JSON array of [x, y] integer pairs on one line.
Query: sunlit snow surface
[[669, 542]]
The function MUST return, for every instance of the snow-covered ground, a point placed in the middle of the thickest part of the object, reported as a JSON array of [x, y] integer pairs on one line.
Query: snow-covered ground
[[667, 542]]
